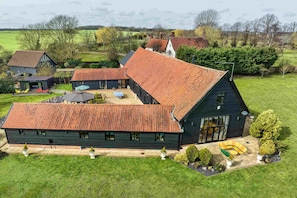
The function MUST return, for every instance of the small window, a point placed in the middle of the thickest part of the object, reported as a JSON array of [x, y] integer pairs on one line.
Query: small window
[[21, 132], [109, 136], [51, 141], [160, 137], [220, 99], [84, 135], [40, 132], [134, 136], [81, 82]]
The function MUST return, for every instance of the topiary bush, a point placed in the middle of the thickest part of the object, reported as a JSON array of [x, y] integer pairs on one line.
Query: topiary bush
[[192, 153], [266, 126], [268, 148], [181, 158], [205, 156]]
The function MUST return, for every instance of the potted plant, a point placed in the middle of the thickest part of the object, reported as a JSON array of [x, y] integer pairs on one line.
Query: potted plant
[[25, 150], [92, 153], [163, 153], [259, 157], [267, 148], [230, 161]]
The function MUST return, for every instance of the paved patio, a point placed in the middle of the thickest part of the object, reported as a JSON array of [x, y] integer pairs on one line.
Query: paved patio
[[129, 96], [240, 161]]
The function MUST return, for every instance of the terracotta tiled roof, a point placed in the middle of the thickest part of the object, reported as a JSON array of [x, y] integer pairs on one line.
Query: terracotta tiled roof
[[25, 58], [171, 81], [99, 74], [191, 42], [161, 42], [91, 117]]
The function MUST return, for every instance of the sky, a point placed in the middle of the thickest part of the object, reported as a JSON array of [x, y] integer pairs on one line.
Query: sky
[[173, 14]]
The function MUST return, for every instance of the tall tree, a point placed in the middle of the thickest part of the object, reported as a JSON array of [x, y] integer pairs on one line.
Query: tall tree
[[88, 38], [255, 34], [63, 28], [158, 31], [246, 27], [207, 18], [270, 26], [31, 36], [212, 34], [235, 32]]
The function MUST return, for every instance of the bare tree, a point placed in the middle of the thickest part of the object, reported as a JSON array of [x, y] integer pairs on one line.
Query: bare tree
[[235, 31], [31, 36], [63, 28], [293, 27], [88, 38], [207, 18], [225, 34], [270, 26], [158, 31], [246, 27], [284, 36], [255, 32]]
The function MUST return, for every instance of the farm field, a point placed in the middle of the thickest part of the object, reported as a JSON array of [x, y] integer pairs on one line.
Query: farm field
[[9, 42], [54, 176]]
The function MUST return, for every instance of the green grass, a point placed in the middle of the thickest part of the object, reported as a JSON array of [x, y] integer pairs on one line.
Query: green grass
[[290, 55], [60, 176], [92, 57], [8, 40], [6, 100], [66, 87]]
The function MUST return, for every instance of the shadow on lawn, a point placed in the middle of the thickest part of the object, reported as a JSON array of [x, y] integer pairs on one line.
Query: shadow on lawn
[[285, 133], [3, 154]]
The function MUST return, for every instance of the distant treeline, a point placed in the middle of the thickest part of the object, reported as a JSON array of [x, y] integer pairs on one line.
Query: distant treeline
[[96, 27]]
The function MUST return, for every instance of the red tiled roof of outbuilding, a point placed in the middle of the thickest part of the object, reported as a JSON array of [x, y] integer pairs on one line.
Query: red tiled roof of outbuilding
[[99, 74], [91, 117], [161, 42], [171, 81], [191, 42]]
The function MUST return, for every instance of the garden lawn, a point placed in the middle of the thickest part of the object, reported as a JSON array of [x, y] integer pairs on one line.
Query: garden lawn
[[290, 55], [6, 100], [64, 87], [69, 176], [92, 56]]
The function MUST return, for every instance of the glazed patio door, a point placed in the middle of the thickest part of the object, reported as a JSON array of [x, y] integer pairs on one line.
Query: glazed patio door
[[213, 129]]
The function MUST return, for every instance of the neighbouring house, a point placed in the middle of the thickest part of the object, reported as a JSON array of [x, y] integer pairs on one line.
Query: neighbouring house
[[157, 45], [104, 78], [39, 83], [28, 62], [175, 42], [183, 104]]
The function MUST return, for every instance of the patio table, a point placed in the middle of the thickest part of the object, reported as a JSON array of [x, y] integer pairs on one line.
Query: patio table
[[118, 94]]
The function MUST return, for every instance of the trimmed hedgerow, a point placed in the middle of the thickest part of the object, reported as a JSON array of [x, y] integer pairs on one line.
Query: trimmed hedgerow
[[247, 60]]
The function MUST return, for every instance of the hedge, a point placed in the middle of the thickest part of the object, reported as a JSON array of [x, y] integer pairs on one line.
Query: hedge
[[247, 60]]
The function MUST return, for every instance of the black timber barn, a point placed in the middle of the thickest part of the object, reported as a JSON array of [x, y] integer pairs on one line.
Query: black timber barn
[[204, 105], [28, 62]]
